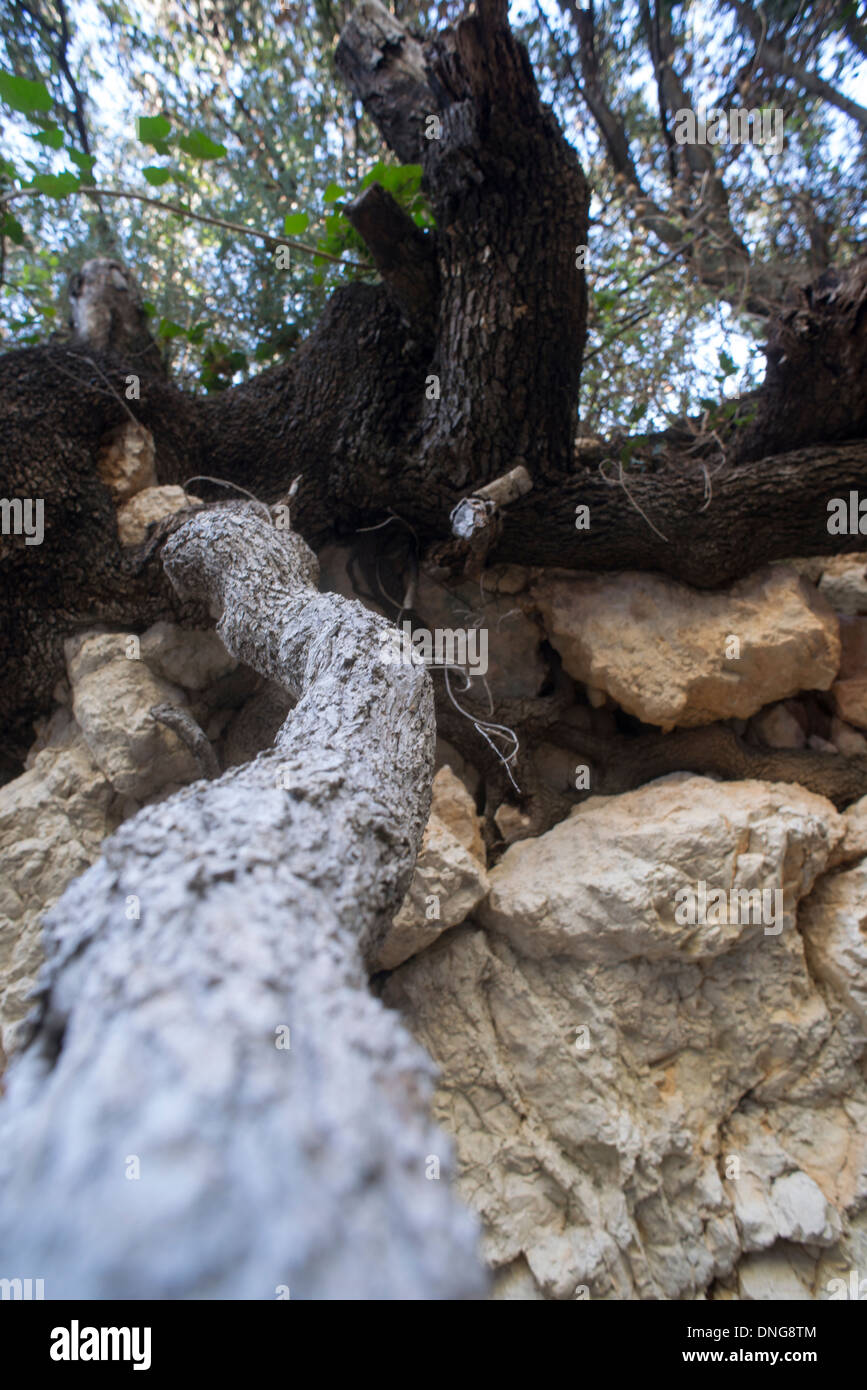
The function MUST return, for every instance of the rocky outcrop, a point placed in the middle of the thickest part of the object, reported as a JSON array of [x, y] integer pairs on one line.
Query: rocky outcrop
[[151, 504], [849, 691], [113, 692], [677, 656], [52, 821], [637, 1097], [449, 880], [184, 656], [844, 583], [126, 460]]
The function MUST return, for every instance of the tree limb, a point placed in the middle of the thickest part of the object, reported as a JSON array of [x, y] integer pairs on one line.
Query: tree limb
[[204, 1011]]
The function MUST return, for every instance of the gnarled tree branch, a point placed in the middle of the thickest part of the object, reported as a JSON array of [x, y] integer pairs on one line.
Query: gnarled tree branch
[[204, 1024]]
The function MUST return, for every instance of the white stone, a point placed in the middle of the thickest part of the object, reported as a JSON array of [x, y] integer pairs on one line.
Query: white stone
[[646, 1108], [112, 696], [664, 652]]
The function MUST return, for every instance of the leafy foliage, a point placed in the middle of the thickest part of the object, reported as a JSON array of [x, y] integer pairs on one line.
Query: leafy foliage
[[230, 109]]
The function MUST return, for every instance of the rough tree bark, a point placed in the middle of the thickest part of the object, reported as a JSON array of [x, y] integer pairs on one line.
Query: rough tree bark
[[213, 922]]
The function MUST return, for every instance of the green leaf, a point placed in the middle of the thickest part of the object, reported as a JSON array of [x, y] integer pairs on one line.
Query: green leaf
[[56, 185], [727, 365], [155, 176], [150, 129], [22, 94], [11, 227], [52, 136], [168, 329], [149, 309], [85, 162], [197, 332], [295, 222], [201, 146], [332, 193]]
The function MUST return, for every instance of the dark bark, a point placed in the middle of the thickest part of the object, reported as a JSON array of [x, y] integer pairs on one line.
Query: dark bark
[[491, 304]]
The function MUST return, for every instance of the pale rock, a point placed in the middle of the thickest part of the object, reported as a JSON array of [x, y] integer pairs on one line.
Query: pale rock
[[126, 460], [777, 727], [658, 648], [849, 691], [603, 1065], [112, 697], [511, 822], [844, 583], [847, 740], [834, 925], [455, 809], [773, 1276], [53, 819], [801, 1212], [447, 885], [152, 504], [191, 657], [854, 843]]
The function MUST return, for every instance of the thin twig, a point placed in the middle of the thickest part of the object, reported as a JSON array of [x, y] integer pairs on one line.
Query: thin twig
[[180, 211]]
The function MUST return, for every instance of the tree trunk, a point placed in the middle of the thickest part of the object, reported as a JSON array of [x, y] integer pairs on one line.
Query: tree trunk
[[211, 1104]]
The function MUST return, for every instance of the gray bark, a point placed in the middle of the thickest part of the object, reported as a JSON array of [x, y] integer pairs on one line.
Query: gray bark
[[213, 920]]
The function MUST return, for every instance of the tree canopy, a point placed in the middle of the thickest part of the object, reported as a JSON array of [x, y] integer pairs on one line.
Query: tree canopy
[[234, 112]]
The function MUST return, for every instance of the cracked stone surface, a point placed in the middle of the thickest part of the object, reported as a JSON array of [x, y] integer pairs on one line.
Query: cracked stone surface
[[643, 1108], [665, 652]]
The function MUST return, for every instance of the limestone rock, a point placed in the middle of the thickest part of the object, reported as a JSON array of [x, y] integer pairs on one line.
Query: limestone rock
[[152, 504], [511, 822], [189, 657], [847, 740], [126, 460], [53, 819], [834, 924], [112, 697], [455, 809], [844, 583], [775, 1275], [448, 884], [850, 689], [854, 843], [664, 651], [636, 1099], [777, 727]]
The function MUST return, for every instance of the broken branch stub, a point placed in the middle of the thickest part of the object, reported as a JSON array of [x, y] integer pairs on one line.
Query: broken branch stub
[[473, 514], [211, 1104]]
